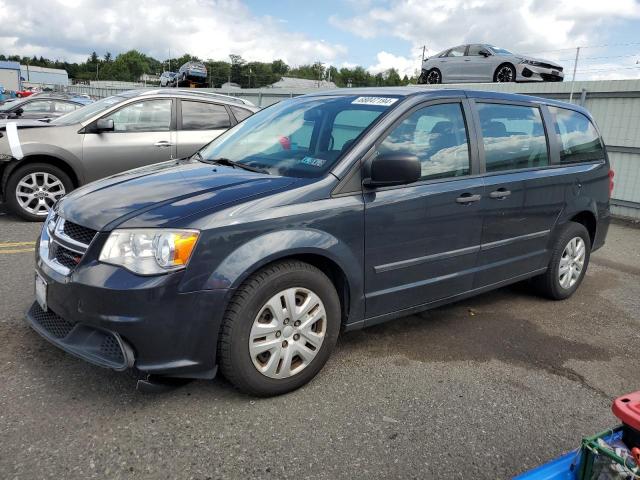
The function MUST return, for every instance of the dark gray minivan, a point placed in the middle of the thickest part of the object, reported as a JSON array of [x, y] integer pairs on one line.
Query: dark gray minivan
[[326, 212]]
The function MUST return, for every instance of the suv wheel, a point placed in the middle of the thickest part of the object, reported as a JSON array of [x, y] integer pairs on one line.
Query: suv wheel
[[568, 264], [33, 189], [279, 329]]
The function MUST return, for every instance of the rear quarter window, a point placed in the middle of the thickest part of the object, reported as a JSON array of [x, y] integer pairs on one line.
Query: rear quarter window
[[579, 141], [241, 113]]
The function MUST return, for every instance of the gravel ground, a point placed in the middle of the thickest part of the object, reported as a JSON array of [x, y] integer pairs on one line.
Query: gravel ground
[[484, 388]]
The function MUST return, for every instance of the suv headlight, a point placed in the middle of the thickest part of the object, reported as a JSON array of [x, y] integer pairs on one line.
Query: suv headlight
[[149, 252]]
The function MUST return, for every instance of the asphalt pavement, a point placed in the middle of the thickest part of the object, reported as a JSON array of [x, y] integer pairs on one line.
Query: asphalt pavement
[[484, 388]]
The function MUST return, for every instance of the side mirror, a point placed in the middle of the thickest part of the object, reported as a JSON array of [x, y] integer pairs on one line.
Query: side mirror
[[18, 112], [485, 53], [391, 169], [105, 125]]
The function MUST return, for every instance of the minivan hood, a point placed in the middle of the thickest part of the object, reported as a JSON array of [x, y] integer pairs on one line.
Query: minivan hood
[[172, 189]]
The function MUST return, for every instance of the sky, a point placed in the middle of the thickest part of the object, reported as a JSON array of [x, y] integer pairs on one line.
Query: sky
[[376, 34]]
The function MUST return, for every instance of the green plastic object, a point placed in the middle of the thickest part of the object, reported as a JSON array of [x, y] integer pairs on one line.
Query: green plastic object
[[591, 451]]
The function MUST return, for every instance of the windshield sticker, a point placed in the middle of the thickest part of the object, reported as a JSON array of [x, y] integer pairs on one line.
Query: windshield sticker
[[314, 162], [383, 101], [14, 141]]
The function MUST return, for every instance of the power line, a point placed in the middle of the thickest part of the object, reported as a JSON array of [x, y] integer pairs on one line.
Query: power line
[[586, 46]]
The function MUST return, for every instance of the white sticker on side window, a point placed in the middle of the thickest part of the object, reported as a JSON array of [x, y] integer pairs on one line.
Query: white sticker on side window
[[14, 141], [383, 101]]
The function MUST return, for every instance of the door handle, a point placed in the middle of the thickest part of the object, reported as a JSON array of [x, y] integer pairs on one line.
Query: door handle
[[468, 198], [500, 193], [163, 144], [467, 59]]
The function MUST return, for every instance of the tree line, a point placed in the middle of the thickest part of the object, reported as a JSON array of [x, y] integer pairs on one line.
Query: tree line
[[131, 65]]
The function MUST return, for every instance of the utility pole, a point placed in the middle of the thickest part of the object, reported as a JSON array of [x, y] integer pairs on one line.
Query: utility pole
[[424, 47], [573, 80]]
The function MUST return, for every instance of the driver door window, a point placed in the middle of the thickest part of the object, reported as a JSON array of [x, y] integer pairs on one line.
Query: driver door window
[[437, 135], [145, 116], [37, 106]]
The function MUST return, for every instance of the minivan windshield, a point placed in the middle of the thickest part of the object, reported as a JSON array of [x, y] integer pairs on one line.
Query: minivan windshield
[[85, 113], [301, 137]]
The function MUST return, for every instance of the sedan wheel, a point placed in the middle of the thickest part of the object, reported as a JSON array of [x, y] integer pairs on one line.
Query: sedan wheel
[[505, 73], [434, 77]]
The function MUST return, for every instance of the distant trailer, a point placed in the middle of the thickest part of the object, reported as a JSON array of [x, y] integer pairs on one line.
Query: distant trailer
[[48, 77], [10, 75]]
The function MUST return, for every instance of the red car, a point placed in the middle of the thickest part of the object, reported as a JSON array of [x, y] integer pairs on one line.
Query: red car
[[24, 93]]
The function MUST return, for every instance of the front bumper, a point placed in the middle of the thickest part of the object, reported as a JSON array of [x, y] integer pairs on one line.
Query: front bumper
[[530, 73], [115, 319]]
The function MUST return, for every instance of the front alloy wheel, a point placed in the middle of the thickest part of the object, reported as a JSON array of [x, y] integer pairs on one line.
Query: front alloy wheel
[[434, 77], [505, 73], [34, 188], [37, 192], [287, 333]]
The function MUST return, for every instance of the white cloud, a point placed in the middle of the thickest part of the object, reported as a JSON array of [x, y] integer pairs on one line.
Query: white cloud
[[404, 65], [71, 29], [523, 26]]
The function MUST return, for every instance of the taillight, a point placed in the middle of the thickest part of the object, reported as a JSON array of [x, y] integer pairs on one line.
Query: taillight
[[611, 175]]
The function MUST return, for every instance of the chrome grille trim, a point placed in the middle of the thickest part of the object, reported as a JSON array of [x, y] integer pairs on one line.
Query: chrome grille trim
[[56, 236]]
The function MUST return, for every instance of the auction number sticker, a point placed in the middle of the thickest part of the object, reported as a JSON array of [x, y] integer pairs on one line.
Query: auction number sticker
[[383, 101]]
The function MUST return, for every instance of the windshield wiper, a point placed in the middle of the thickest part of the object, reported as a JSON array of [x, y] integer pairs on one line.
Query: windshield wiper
[[231, 163]]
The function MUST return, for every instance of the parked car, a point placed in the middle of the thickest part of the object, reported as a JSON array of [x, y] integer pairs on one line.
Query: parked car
[[168, 79], [129, 130], [38, 107], [195, 71], [487, 63], [326, 212], [25, 92]]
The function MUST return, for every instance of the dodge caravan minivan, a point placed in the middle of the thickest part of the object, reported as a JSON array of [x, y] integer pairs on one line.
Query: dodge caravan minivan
[[324, 213]]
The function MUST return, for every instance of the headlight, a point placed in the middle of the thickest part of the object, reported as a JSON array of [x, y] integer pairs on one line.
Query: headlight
[[149, 252], [532, 62]]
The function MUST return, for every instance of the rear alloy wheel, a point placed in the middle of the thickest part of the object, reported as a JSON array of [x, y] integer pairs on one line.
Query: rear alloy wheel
[[569, 261], [434, 76], [33, 189], [505, 73], [279, 329]]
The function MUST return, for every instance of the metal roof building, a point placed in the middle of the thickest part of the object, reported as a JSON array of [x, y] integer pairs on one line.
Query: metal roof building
[[44, 76], [10, 75]]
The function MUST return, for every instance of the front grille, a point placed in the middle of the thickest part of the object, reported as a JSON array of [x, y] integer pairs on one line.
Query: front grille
[[52, 323], [78, 232], [64, 256], [551, 78], [110, 348]]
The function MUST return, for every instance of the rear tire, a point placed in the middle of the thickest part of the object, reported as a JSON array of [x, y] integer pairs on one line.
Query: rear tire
[[568, 265], [47, 183], [250, 311]]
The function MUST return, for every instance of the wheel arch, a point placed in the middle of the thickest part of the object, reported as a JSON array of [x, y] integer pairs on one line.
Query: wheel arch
[[510, 64], [587, 219], [317, 248], [37, 158]]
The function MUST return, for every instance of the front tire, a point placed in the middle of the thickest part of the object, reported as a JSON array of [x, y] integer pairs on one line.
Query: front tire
[[505, 73], [33, 189], [568, 265], [279, 329], [434, 77]]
